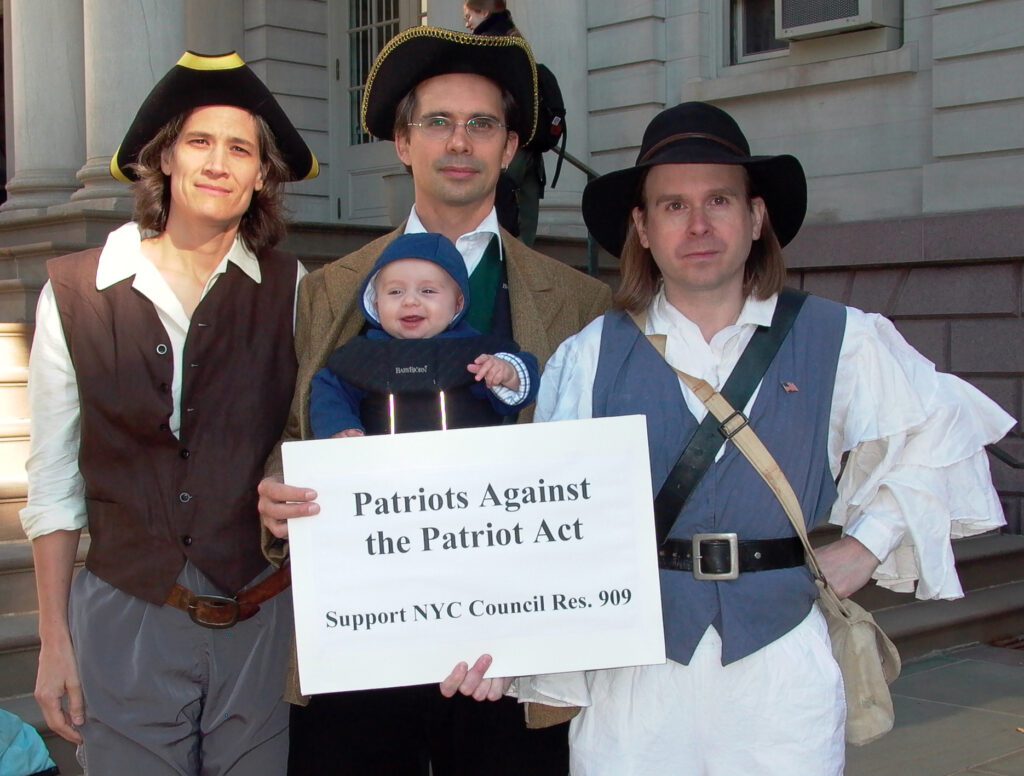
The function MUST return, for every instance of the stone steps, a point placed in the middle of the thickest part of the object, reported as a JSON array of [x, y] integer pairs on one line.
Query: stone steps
[[13, 392], [14, 443], [17, 575], [991, 570], [13, 495], [983, 616], [19, 653]]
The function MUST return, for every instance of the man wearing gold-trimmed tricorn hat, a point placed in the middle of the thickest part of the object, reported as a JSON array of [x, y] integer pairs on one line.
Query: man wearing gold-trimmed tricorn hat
[[160, 378], [457, 107]]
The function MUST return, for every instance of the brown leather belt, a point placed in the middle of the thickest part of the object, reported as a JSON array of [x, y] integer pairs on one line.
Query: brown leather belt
[[218, 611]]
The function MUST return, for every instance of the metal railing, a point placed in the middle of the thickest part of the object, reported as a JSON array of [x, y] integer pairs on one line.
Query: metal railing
[[1005, 457], [592, 268]]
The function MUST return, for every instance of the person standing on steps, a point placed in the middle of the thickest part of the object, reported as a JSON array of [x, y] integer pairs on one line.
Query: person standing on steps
[[160, 378], [525, 175]]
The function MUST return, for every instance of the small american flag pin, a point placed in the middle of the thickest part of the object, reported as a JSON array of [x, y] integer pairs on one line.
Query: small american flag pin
[[790, 388]]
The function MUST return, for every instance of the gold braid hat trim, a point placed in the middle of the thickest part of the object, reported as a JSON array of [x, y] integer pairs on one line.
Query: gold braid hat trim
[[453, 37]]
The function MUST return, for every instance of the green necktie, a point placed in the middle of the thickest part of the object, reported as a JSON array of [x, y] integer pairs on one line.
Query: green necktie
[[483, 288]]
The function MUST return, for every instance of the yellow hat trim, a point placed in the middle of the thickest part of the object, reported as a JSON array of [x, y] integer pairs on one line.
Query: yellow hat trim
[[314, 170], [115, 168], [200, 62]]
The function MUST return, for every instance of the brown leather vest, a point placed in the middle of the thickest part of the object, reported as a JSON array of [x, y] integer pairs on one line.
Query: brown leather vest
[[154, 500]]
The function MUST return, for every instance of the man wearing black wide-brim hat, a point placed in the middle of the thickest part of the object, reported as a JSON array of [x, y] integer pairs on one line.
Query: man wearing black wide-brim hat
[[457, 106], [160, 378], [750, 685]]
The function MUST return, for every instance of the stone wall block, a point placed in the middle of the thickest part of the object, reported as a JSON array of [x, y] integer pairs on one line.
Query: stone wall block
[[622, 87], [979, 184], [978, 129], [977, 79], [930, 338], [985, 347], [830, 285], [602, 14], [299, 46], [625, 44], [991, 26], [982, 289], [874, 291], [309, 15], [1006, 392], [995, 234]]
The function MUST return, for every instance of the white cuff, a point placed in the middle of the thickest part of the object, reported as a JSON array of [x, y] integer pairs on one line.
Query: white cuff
[[507, 395], [875, 534]]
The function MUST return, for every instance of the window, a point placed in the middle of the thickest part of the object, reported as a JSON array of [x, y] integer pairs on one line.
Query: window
[[371, 24], [753, 30]]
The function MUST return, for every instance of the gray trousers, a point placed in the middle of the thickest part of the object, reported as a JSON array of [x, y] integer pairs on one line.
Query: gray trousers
[[166, 696]]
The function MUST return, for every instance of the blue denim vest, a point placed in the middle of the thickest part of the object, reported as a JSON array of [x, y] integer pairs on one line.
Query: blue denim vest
[[760, 607]]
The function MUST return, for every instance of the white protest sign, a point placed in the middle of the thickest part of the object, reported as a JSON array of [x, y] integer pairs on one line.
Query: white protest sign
[[532, 543]]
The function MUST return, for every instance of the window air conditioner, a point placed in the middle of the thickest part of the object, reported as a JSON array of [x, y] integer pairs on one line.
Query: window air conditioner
[[798, 19]]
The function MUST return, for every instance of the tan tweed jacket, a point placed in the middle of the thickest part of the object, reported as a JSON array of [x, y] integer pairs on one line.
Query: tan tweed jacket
[[550, 302]]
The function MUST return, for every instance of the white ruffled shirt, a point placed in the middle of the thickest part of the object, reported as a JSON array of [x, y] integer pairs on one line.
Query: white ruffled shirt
[[917, 472]]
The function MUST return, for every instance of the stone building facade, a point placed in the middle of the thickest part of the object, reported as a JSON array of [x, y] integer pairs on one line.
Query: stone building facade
[[910, 125]]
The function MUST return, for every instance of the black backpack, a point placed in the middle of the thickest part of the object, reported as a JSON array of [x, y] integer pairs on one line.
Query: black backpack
[[550, 117]]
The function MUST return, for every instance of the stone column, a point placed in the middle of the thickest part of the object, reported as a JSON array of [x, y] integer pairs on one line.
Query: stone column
[[215, 26], [129, 46], [47, 100]]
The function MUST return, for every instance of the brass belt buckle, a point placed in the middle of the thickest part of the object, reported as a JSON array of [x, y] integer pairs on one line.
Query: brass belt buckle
[[217, 603], [734, 557]]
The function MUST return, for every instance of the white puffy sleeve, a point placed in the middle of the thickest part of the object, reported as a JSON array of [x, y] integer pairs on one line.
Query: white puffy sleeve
[[917, 473], [567, 384]]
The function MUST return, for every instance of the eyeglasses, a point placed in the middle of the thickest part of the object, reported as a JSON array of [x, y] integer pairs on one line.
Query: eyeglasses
[[442, 127]]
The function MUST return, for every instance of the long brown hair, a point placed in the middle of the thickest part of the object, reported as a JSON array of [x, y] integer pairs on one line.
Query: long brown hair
[[764, 272], [263, 223]]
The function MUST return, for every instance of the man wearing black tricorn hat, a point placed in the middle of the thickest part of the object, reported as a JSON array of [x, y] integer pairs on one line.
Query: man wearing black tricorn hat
[[751, 686], [160, 378], [457, 106]]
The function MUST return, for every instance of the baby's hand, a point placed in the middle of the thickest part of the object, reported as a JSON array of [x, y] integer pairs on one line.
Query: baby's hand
[[348, 432], [495, 371]]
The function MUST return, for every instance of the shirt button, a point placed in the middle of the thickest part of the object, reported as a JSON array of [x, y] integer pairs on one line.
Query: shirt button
[[184, 498], [185, 453], [161, 349], [164, 387], [186, 540], [164, 427]]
